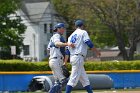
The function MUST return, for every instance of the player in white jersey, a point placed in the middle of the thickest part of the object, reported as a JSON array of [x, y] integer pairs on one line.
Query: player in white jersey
[[56, 47], [81, 40]]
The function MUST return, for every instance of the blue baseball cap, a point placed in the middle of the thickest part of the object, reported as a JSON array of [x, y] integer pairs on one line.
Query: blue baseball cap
[[79, 23]]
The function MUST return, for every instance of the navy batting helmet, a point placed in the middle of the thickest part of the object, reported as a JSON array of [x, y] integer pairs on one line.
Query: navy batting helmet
[[79, 23], [59, 25]]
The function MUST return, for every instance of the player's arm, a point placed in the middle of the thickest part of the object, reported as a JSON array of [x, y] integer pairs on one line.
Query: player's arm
[[91, 46], [61, 44], [58, 43], [89, 43]]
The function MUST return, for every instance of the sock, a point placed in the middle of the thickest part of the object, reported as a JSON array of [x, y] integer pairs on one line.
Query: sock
[[88, 88], [68, 89]]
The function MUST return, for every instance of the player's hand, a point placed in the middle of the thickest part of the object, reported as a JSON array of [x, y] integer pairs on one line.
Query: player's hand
[[65, 63], [98, 53], [71, 45]]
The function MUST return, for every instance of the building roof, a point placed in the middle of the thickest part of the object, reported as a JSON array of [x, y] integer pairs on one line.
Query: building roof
[[33, 1], [105, 55], [110, 53], [117, 48], [35, 9]]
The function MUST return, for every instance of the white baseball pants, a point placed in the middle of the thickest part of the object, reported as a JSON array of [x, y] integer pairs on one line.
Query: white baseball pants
[[78, 71], [55, 65]]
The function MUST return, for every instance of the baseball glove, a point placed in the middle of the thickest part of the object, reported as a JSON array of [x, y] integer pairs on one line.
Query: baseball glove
[[65, 71]]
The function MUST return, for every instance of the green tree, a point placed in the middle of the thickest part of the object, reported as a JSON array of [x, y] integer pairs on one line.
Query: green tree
[[11, 27], [72, 10], [120, 18]]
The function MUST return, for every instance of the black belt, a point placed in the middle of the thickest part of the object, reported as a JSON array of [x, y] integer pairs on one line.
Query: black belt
[[57, 57], [79, 54]]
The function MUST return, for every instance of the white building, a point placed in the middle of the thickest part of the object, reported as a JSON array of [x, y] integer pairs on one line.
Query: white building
[[39, 17]]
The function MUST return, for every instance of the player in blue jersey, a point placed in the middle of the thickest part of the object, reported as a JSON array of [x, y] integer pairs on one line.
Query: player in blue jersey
[[81, 40]]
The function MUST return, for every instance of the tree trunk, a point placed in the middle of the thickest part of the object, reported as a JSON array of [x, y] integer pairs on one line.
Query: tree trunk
[[131, 51], [121, 44]]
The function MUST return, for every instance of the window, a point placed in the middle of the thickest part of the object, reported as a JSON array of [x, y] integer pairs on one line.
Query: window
[[45, 50], [45, 28], [26, 49], [51, 28]]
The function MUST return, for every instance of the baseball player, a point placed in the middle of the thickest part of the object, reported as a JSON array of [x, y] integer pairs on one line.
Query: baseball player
[[56, 47], [81, 40]]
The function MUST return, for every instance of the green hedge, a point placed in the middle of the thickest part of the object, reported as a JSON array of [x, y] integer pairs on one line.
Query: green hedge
[[111, 65], [18, 65]]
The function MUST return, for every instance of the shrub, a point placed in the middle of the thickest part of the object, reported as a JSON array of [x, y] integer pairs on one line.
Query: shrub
[[137, 56], [19, 65]]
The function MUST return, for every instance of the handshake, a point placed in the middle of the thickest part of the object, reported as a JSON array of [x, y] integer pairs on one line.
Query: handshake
[[71, 45]]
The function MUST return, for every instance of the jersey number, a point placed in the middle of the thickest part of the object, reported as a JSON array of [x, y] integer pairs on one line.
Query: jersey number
[[73, 38]]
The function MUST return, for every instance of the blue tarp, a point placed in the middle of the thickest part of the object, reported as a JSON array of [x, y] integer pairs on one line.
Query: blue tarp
[[14, 82], [125, 80], [20, 82]]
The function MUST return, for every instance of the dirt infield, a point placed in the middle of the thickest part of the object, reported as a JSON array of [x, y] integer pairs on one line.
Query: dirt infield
[[97, 91], [111, 91], [117, 92], [137, 90]]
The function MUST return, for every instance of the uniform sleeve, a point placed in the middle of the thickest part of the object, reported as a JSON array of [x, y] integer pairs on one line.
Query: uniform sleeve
[[89, 44], [85, 36], [87, 40], [56, 38]]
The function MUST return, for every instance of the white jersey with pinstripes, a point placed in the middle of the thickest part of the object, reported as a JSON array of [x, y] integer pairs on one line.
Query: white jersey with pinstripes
[[54, 51], [79, 37], [55, 59]]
